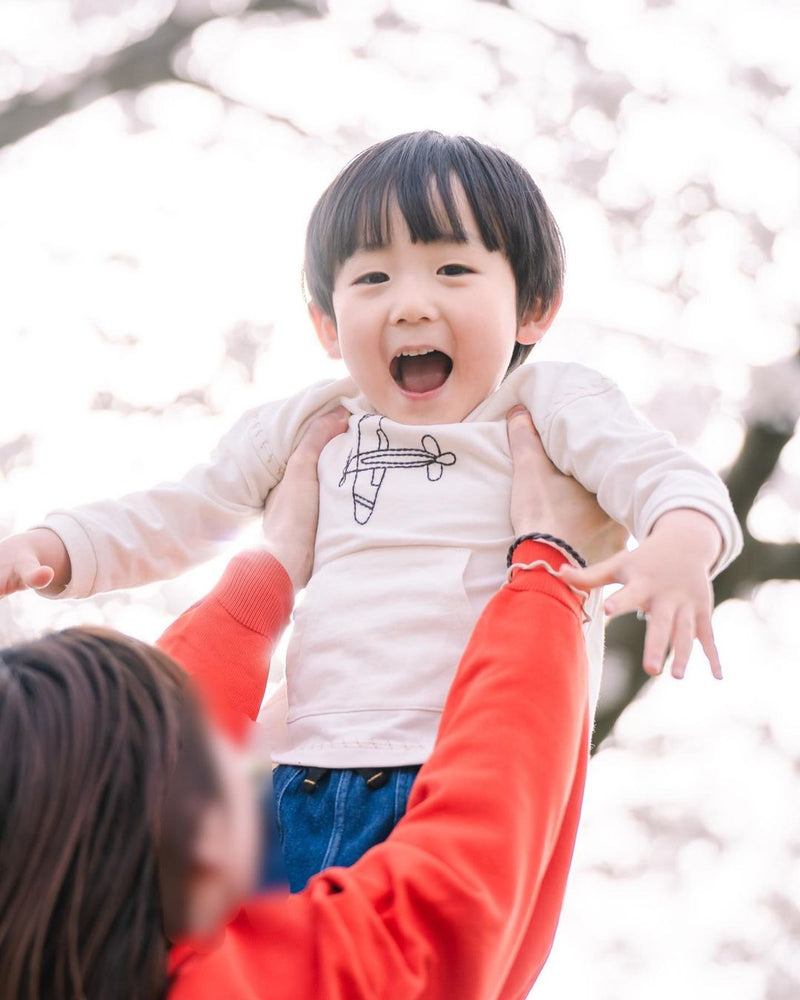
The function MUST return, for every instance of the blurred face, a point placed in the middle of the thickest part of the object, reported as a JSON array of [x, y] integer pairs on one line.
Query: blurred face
[[427, 330], [225, 851]]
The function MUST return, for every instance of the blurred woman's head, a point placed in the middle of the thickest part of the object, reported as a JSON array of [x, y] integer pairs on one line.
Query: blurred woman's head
[[123, 820]]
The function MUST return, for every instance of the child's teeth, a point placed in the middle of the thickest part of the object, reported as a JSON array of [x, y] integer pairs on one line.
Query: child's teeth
[[414, 354]]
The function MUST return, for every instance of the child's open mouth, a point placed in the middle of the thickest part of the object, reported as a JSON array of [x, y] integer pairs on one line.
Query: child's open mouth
[[420, 371]]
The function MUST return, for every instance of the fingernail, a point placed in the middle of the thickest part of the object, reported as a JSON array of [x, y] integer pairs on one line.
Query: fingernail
[[516, 411]]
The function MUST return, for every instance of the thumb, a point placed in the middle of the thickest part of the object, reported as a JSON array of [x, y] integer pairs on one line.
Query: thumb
[[607, 571], [32, 574]]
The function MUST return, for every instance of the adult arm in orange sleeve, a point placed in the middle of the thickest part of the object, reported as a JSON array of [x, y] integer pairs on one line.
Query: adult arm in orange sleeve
[[225, 641]]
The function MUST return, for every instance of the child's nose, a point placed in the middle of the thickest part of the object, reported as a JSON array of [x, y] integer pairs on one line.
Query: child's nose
[[413, 303]]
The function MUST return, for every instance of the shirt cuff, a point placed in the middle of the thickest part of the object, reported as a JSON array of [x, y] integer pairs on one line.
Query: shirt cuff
[[256, 591], [82, 558]]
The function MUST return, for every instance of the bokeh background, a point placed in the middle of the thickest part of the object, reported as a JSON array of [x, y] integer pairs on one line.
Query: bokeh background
[[158, 161]]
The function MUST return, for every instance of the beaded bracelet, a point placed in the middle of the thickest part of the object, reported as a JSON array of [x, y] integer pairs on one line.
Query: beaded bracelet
[[539, 536]]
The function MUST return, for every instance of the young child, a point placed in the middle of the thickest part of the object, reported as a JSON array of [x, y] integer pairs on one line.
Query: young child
[[433, 266]]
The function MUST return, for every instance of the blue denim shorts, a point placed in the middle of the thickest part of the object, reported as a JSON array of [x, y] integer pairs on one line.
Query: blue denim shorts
[[334, 819]]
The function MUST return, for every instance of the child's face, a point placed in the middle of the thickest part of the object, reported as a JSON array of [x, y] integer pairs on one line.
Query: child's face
[[427, 329]]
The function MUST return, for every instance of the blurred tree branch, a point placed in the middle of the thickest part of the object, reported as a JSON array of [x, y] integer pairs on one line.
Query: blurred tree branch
[[140, 64], [758, 563]]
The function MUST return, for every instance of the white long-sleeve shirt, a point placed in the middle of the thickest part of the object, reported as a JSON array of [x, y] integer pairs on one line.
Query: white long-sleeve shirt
[[370, 661]]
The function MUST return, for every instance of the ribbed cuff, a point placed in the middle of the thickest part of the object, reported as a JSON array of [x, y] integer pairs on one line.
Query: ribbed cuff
[[256, 591], [545, 582], [529, 551]]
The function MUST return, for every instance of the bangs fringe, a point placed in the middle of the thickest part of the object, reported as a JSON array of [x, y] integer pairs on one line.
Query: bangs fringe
[[421, 184]]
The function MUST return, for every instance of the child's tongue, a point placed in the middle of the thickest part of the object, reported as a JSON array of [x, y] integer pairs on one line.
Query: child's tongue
[[424, 372]]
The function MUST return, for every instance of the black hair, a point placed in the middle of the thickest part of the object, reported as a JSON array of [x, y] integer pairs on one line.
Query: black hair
[[417, 172], [106, 769]]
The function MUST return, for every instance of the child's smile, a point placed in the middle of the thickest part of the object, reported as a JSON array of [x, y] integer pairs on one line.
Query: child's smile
[[427, 330]]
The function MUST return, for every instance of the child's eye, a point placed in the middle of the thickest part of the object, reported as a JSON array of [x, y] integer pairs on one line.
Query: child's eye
[[454, 270], [372, 278]]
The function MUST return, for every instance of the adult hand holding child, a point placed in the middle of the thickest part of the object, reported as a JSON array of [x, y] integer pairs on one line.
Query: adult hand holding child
[[543, 499]]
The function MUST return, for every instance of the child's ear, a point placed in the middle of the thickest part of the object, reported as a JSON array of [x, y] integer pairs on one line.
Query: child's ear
[[537, 320], [326, 330]]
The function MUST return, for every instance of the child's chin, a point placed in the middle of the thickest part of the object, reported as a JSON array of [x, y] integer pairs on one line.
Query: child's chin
[[426, 410]]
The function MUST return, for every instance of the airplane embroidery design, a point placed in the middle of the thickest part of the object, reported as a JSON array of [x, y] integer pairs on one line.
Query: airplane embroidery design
[[368, 466]]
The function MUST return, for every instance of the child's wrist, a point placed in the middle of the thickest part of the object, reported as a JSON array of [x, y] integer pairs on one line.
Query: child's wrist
[[693, 532], [51, 551]]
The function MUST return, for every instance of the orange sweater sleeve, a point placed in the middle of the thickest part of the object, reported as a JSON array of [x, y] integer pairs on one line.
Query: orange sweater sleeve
[[225, 640], [463, 898]]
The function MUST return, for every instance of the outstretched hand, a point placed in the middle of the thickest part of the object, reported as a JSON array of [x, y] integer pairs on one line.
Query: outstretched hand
[[667, 579]]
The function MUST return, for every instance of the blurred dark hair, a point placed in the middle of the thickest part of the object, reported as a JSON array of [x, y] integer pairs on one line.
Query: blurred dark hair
[[417, 172], [105, 768]]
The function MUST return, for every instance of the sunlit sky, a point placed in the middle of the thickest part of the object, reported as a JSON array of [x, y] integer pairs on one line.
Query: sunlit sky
[[150, 250]]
